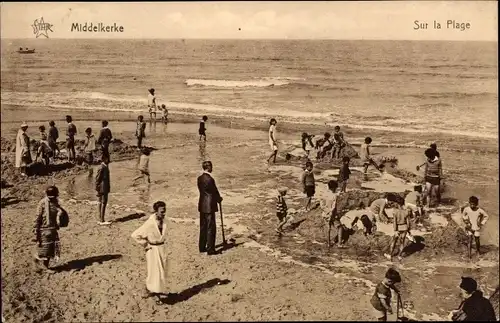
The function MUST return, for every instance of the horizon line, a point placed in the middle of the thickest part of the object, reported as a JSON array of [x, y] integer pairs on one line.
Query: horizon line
[[283, 39]]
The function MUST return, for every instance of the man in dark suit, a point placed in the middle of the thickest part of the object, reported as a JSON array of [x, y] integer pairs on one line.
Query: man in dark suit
[[103, 187], [207, 206]]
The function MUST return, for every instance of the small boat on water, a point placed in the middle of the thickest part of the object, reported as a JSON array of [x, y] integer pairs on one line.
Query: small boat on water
[[25, 51]]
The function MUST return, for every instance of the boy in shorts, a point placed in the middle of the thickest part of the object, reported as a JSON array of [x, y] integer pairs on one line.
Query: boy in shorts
[[381, 299], [401, 224], [413, 202], [281, 209], [308, 183], [366, 156], [474, 219]]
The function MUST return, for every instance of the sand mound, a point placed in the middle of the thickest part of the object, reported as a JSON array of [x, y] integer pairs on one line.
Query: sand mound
[[7, 145]]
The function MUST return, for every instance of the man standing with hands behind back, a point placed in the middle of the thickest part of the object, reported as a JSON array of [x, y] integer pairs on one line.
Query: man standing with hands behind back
[[207, 206]]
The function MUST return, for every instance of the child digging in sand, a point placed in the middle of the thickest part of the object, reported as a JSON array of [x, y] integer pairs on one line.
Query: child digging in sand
[[366, 157], [281, 209], [381, 299], [401, 224], [474, 219], [309, 183]]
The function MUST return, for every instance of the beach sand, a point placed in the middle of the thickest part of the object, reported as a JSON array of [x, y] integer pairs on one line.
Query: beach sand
[[102, 271]]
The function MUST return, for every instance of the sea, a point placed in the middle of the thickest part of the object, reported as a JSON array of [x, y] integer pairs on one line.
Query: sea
[[417, 86], [414, 87]]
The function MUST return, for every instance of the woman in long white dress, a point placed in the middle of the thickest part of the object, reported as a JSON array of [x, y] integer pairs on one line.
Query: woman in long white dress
[[152, 236], [23, 155]]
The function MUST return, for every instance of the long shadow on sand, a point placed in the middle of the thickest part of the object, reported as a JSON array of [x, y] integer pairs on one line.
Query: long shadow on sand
[[174, 298], [6, 201], [130, 217], [230, 245], [414, 247], [42, 170], [80, 264]]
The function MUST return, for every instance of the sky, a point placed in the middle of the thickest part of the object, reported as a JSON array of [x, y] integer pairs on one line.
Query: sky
[[380, 20]]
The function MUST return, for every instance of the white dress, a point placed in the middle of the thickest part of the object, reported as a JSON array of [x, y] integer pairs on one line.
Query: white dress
[[21, 148], [272, 132], [156, 256]]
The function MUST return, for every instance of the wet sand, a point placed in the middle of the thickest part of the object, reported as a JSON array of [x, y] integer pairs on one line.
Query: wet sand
[[292, 278]]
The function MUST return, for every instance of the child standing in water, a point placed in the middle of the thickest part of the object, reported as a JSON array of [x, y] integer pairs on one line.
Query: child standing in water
[[89, 148], [164, 118], [381, 299], [202, 129], [474, 219], [272, 140], [366, 156], [344, 174], [309, 183], [281, 209], [144, 165]]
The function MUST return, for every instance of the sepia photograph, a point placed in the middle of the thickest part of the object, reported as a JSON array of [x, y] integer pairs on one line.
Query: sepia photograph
[[249, 161]]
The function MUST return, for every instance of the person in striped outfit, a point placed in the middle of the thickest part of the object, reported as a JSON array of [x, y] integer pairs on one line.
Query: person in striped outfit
[[281, 209]]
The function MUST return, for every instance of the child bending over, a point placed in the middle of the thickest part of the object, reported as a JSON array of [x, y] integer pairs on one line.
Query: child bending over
[[413, 203]]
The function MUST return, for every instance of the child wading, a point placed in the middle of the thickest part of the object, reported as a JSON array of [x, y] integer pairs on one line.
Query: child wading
[[474, 219], [164, 118], [281, 209], [140, 131], [413, 202], [307, 144], [89, 149], [144, 165], [381, 299], [366, 157], [401, 224], [344, 173], [272, 141], [308, 183], [202, 130]]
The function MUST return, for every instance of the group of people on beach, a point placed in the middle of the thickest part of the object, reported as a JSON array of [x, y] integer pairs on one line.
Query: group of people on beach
[[413, 206], [152, 234]]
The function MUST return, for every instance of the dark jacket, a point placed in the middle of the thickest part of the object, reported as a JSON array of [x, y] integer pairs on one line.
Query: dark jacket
[[478, 308], [102, 180], [209, 194], [53, 134], [105, 137]]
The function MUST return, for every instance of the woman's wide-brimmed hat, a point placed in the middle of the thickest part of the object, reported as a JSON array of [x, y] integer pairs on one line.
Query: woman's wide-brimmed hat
[[24, 125], [151, 90]]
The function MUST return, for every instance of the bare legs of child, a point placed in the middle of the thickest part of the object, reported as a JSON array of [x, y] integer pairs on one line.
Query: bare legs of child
[[401, 237], [143, 175], [473, 236], [273, 157]]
